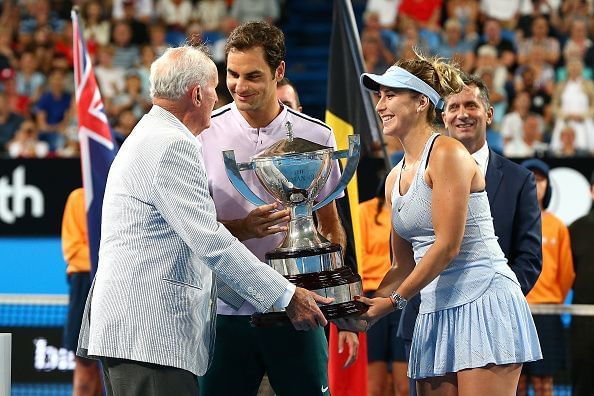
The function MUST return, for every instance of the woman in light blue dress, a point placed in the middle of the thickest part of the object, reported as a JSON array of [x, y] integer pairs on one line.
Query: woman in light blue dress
[[474, 328]]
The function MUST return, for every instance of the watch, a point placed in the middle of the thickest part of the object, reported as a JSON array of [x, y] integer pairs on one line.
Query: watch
[[398, 302]]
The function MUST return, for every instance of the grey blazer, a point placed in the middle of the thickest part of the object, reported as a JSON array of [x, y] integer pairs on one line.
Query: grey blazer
[[153, 298]]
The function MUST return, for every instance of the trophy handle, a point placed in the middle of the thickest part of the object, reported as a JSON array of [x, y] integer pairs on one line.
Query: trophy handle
[[349, 170], [233, 170]]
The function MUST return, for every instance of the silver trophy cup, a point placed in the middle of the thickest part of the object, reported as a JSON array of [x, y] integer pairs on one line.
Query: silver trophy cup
[[293, 171]]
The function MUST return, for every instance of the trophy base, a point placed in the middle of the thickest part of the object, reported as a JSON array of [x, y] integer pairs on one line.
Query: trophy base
[[319, 269], [340, 284], [334, 311]]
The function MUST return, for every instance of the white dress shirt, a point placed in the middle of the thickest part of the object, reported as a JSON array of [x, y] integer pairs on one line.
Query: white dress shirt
[[481, 156]]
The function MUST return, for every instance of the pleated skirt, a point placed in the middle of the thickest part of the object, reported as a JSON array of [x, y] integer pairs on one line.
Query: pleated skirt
[[496, 328]]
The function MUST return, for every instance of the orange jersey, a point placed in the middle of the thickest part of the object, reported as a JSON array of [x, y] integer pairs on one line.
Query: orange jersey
[[75, 244], [557, 273], [375, 242]]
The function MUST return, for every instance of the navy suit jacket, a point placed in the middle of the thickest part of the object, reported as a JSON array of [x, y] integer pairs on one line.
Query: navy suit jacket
[[516, 217]]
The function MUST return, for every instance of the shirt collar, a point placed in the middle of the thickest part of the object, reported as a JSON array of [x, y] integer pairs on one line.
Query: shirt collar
[[481, 156], [159, 112], [275, 123]]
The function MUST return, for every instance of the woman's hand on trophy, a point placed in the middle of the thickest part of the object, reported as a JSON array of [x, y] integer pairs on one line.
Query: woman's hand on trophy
[[303, 310], [266, 220], [378, 308]]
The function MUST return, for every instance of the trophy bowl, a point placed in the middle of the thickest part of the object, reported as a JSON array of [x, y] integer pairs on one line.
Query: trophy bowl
[[293, 171]]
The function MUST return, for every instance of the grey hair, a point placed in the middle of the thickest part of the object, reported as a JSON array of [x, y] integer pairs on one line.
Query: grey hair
[[174, 72]]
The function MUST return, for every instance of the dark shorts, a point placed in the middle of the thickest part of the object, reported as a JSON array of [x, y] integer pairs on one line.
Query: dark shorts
[[552, 343], [296, 362], [79, 285], [382, 343]]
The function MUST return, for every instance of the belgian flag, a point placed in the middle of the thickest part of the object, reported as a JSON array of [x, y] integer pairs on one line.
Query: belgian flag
[[349, 110]]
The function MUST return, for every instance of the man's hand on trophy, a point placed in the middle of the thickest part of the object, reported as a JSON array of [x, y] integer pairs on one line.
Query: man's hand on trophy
[[266, 220], [303, 310]]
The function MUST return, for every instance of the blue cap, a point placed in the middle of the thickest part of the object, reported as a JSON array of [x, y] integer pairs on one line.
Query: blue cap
[[397, 77], [538, 165]]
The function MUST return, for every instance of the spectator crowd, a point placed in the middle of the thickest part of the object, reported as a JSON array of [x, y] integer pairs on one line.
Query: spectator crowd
[[37, 101], [536, 57]]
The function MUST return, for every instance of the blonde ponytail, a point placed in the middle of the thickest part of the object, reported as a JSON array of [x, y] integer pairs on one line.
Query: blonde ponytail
[[444, 77]]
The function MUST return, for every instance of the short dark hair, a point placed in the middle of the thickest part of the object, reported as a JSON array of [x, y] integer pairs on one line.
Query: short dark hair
[[470, 80], [286, 81], [592, 178], [259, 34]]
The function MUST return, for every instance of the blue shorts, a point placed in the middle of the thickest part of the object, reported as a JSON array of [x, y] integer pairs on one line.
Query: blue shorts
[[382, 343], [80, 284]]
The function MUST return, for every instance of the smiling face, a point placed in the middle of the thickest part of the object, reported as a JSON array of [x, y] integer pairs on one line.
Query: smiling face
[[397, 109], [466, 118], [250, 80]]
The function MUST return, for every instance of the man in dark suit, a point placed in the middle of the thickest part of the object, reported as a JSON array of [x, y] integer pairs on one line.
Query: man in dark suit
[[510, 188]]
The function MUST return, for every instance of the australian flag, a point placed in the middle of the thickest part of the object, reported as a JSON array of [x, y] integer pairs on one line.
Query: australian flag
[[97, 145]]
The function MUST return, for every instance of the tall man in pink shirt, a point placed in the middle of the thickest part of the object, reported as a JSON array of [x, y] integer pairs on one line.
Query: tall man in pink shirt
[[296, 362]]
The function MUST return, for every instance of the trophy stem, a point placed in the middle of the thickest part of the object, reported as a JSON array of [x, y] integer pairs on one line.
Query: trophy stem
[[301, 231]]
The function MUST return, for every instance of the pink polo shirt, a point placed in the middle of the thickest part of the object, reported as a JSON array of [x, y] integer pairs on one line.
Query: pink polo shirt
[[230, 131]]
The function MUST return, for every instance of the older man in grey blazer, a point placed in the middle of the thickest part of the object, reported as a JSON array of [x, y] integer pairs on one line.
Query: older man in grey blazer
[[149, 315]]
